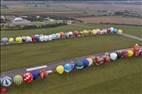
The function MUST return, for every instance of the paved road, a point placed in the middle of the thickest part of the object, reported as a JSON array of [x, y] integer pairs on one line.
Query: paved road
[[131, 36]]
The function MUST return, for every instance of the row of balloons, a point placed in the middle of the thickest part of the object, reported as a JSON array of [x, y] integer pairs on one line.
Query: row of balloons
[[61, 35], [99, 59], [77, 64]]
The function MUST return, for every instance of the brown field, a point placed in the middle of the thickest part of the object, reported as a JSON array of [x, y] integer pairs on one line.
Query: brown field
[[112, 20]]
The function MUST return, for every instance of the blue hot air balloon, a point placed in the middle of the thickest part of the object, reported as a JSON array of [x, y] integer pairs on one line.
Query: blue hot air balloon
[[79, 64], [85, 62], [35, 74], [68, 68]]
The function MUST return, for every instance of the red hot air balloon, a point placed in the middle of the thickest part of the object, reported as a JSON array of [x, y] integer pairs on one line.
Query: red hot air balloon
[[106, 58], [3, 90], [43, 74], [28, 77], [136, 49]]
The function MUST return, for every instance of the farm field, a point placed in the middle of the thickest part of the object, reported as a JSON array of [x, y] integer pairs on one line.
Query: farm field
[[112, 20]]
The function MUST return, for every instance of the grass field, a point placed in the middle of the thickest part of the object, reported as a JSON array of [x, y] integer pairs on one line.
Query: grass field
[[120, 77]]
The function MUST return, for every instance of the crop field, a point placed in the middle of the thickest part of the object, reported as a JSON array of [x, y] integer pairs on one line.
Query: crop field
[[120, 77], [112, 20]]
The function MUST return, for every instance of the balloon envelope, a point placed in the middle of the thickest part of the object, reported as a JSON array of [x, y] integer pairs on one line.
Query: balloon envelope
[[79, 64], [67, 67], [28, 77], [11, 40], [113, 56], [85, 62], [18, 79], [130, 53], [60, 69], [43, 74], [35, 74], [6, 81]]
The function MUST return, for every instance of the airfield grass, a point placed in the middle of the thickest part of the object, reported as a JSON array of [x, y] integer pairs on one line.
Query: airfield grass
[[120, 77], [26, 55]]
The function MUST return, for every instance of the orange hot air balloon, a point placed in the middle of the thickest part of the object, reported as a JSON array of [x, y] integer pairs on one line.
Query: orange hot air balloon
[[43, 74]]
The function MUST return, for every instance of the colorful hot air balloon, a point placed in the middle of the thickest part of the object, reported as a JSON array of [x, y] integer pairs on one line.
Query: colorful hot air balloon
[[28, 77], [85, 62], [18, 40], [130, 53], [35, 74], [60, 69], [11, 40], [18, 79], [113, 56], [120, 31], [67, 68], [4, 40], [79, 65], [43, 74], [3, 90], [6, 81], [99, 60]]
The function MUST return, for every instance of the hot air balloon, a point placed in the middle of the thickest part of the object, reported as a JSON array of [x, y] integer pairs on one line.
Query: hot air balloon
[[120, 31], [35, 74], [130, 53], [60, 69], [78, 64], [99, 60], [18, 79], [28, 77], [6, 81], [136, 49], [106, 58], [67, 68], [3, 90], [11, 40], [85, 62], [4, 40], [113, 56], [43, 74], [18, 40]]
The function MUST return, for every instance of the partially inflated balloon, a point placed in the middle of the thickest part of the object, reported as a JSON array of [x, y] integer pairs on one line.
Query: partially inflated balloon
[[113, 56], [43, 74], [35, 74], [120, 31], [60, 69], [6, 81], [79, 64], [130, 53], [3, 90], [28, 77], [18, 79], [67, 67], [11, 40], [18, 39]]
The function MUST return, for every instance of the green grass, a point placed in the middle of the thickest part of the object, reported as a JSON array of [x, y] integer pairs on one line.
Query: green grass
[[42, 53], [122, 77]]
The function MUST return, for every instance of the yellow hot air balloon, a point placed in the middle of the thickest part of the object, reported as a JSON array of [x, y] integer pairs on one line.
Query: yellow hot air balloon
[[130, 53], [18, 40], [11, 40], [120, 31], [60, 69]]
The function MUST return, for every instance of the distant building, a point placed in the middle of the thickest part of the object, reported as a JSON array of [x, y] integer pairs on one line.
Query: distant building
[[20, 21]]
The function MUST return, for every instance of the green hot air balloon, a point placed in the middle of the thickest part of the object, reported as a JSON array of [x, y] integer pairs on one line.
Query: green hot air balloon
[[18, 79]]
